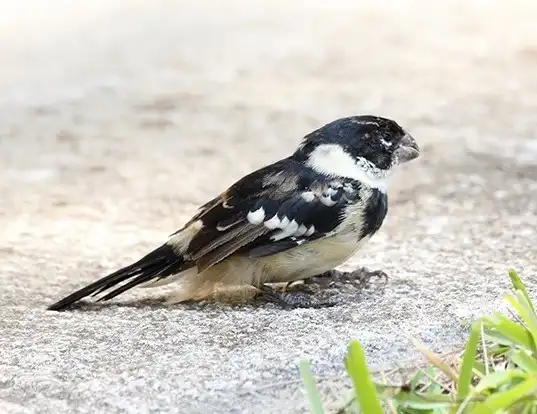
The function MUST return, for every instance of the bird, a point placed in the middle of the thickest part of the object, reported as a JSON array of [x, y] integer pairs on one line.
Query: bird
[[292, 220]]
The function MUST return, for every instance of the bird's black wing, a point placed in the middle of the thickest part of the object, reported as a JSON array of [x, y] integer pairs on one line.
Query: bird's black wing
[[270, 211]]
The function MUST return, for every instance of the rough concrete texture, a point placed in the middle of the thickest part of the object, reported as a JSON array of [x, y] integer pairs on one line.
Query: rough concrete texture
[[118, 118]]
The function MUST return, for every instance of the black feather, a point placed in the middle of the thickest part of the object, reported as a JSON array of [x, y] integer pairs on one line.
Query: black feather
[[158, 264], [375, 212], [293, 206], [360, 136], [272, 248]]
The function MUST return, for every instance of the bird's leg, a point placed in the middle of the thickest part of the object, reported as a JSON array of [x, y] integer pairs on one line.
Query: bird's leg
[[360, 277], [292, 299]]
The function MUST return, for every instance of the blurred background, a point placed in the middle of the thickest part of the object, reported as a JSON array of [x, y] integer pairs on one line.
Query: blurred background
[[118, 118]]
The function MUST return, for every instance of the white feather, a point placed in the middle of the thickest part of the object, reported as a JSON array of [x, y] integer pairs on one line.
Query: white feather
[[273, 223], [332, 160], [308, 196], [386, 143], [257, 216], [287, 231], [284, 223], [301, 231], [224, 228], [327, 201]]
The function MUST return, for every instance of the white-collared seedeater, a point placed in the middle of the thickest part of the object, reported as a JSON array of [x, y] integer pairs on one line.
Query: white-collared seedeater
[[297, 218]]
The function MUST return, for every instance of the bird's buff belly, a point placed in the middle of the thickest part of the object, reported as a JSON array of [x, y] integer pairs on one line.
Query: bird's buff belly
[[305, 261]]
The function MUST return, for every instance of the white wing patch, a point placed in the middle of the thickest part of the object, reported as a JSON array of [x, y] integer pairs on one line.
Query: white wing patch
[[256, 217], [301, 230], [287, 231], [308, 196], [310, 231], [326, 199], [224, 228], [276, 223], [182, 239], [289, 228]]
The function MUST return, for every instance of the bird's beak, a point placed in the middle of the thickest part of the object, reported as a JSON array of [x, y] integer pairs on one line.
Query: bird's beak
[[408, 149]]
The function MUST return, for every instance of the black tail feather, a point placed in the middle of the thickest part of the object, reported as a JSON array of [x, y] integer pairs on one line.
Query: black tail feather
[[158, 264]]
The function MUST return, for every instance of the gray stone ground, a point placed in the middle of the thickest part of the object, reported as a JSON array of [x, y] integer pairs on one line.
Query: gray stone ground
[[118, 118]]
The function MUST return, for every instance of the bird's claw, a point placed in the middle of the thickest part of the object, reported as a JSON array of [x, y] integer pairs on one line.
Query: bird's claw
[[359, 277], [292, 300], [304, 287]]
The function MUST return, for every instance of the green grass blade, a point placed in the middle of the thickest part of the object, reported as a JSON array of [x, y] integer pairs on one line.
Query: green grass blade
[[407, 401], [434, 386], [501, 401], [364, 387], [523, 360], [468, 361], [519, 285], [521, 305], [501, 379], [496, 379], [503, 330], [496, 349], [428, 401], [415, 380], [529, 409], [311, 388], [479, 369]]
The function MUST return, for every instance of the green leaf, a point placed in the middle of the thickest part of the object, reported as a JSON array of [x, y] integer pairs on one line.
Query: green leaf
[[496, 379], [497, 349], [468, 361], [529, 408], [434, 386], [428, 401], [500, 328], [311, 388], [366, 392], [519, 285], [412, 401], [524, 309], [523, 360], [479, 369], [415, 381], [500, 401]]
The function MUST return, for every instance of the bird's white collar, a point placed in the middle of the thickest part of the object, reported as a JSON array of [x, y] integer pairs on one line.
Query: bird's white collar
[[332, 160]]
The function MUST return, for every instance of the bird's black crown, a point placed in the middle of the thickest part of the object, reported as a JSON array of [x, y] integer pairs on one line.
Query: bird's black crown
[[369, 137]]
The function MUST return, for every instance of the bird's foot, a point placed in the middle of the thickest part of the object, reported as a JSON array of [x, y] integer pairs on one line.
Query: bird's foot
[[359, 277], [292, 300], [303, 287]]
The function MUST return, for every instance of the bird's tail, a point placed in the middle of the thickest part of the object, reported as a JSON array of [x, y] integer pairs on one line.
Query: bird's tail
[[160, 263]]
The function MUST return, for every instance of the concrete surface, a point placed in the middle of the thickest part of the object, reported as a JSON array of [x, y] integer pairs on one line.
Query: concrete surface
[[118, 118]]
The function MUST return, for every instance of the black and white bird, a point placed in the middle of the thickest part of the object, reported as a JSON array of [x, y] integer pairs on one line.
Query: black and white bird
[[294, 219]]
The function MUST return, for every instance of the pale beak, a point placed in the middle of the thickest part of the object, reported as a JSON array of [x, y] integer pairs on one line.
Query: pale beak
[[408, 149]]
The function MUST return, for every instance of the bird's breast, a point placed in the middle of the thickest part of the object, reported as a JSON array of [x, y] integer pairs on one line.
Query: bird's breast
[[364, 217], [376, 208], [310, 259]]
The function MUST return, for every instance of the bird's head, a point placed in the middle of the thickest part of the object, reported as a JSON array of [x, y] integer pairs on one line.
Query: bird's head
[[366, 148]]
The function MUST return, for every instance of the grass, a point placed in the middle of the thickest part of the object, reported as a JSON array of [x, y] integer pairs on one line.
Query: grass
[[496, 372]]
